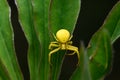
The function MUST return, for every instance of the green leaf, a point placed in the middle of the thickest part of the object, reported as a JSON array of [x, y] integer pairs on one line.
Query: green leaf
[[9, 68], [112, 22], [40, 20], [63, 14], [37, 27], [100, 54], [82, 71], [3, 72], [26, 20]]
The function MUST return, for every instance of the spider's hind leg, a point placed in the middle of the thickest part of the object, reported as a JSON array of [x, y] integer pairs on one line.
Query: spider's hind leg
[[75, 49], [51, 52]]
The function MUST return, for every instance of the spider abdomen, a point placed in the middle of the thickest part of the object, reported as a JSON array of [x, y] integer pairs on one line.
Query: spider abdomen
[[63, 35]]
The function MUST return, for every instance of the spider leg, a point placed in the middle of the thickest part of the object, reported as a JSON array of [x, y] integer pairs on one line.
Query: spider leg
[[70, 42], [51, 52], [70, 37], [53, 44], [55, 37], [75, 49]]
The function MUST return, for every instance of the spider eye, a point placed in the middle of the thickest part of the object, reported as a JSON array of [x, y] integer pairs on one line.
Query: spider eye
[[63, 35]]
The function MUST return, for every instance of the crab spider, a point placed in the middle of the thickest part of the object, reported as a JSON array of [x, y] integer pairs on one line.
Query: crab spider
[[62, 42]]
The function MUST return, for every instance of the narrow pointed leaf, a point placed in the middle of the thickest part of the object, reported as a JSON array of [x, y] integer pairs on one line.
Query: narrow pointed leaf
[[63, 14], [82, 71], [8, 61], [26, 20], [112, 22], [100, 55], [40, 19]]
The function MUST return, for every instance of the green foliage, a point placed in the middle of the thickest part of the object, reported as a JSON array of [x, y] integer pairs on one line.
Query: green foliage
[[9, 69], [100, 54], [40, 19], [99, 48], [37, 26], [112, 23], [60, 13]]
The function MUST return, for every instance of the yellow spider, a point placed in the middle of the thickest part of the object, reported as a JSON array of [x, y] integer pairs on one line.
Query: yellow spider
[[63, 43]]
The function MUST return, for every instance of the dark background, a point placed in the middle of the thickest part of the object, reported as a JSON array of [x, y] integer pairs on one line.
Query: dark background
[[91, 17]]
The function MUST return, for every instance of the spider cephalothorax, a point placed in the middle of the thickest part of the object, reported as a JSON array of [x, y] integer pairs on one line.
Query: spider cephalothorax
[[63, 42]]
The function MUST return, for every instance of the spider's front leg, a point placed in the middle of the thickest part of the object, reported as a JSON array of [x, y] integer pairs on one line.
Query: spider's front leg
[[70, 42], [75, 49], [51, 52], [53, 44]]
